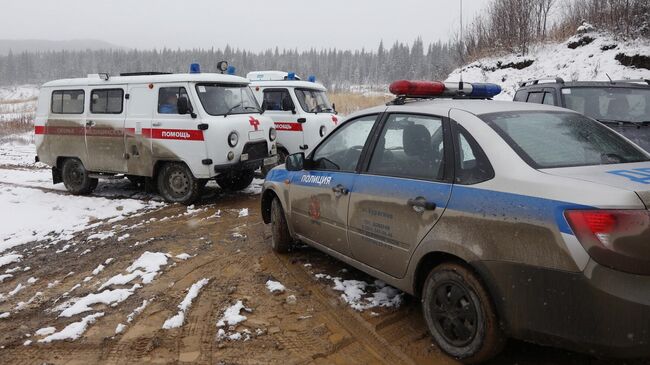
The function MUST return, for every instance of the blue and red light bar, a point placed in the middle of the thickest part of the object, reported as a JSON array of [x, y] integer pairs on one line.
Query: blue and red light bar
[[432, 89]]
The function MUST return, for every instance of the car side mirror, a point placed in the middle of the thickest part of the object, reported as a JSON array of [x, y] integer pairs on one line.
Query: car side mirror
[[287, 105], [183, 106], [295, 162]]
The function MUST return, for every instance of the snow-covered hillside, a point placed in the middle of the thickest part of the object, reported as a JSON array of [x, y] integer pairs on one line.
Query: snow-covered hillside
[[17, 102], [586, 56]]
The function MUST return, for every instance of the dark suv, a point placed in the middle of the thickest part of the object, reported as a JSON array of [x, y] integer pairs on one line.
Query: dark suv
[[621, 105]]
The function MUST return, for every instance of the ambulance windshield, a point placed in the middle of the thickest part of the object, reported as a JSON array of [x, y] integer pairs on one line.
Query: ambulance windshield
[[227, 99], [314, 101]]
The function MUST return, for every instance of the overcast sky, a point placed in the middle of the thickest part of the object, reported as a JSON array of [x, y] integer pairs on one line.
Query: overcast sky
[[249, 24]]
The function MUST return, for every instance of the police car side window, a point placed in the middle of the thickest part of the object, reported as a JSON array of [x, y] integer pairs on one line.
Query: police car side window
[[342, 149], [68, 101], [109, 101], [168, 98], [277, 100], [472, 165], [410, 146]]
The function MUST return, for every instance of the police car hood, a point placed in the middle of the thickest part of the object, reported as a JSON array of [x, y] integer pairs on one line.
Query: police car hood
[[629, 176]]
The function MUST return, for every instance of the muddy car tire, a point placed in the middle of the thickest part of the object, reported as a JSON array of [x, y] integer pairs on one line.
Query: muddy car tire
[[235, 181], [176, 184], [460, 314], [281, 240], [76, 178]]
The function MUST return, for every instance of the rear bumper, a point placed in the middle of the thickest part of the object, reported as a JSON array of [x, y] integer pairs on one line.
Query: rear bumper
[[599, 311]]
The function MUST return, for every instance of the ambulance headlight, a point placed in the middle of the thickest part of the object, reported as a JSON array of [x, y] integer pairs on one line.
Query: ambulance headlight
[[273, 134], [322, 131], [231, 156], [233, 139]]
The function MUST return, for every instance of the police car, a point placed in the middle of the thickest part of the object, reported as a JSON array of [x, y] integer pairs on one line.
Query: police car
[[506, 219], [176, 131], [300, 110]]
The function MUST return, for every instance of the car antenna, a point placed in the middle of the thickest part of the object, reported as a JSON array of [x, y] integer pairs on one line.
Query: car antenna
[[610, 79], [462, 48]]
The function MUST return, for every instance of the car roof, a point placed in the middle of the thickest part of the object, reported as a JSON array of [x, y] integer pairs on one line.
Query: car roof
[[623, 84], [476, 107], [95, 80], [289, 83]]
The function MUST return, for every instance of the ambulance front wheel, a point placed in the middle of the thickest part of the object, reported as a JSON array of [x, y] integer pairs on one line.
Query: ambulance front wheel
[[76, 178], [235, 180], [176, 183]]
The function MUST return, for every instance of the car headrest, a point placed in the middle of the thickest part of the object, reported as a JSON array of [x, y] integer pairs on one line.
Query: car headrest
[[417, 140]]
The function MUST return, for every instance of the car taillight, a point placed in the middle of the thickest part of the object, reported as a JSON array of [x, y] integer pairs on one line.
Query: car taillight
[[619, 239]]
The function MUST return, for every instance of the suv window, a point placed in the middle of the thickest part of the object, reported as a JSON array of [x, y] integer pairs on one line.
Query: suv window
[[168, 97], [549, 98], [557, 139], [521, 95], [277, 99], [108, 101], [610, 103], [410, 146], [472, 165], [535, 97], [68, 101], [342, 149]]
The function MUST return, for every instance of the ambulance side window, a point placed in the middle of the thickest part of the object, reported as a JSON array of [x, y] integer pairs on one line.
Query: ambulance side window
[[168, 98], [107, 101], [68, 101], [277, 100]]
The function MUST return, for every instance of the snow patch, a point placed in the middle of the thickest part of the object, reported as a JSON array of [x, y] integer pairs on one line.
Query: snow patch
[[231, 316], [275, 286], [177, 320], [74, 330]]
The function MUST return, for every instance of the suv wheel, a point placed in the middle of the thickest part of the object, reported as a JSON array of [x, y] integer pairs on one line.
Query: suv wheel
[[177, 184], [460, 314], [235, 180], [76, 178], [281, 240]]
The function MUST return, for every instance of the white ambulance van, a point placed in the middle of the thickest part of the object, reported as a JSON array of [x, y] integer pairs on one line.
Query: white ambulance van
[[174, 131], [300, 109]]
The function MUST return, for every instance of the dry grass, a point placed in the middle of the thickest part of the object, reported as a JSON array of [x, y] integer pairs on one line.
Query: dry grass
[[17, 126], [348, 103]]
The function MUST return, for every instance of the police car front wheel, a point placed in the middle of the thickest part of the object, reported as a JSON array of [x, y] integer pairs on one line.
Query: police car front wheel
[[460, 314], [176, 183], [76, 178]]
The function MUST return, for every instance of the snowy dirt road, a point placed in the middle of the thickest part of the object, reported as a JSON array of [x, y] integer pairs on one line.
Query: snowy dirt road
[[121, 278]]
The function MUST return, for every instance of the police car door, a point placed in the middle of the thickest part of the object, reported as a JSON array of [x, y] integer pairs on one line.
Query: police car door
[[402, 191], [176, 136], [105, 129], [320, 195], [280, 107]]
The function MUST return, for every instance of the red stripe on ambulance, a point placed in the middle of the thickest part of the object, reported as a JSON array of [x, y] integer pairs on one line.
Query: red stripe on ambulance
[[288, 126]]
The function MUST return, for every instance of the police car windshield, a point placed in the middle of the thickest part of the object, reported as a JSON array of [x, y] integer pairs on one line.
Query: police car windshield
[[227, 99], [610, 104], [313, 101], [556, 139]]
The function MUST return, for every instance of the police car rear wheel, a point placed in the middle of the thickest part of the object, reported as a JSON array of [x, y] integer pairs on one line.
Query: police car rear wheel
[[177, 184], [76, 178], [281, 241], [235, 180], [460, 314]]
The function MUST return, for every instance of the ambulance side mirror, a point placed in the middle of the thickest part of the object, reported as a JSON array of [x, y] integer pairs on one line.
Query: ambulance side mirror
[[184, 107], [287, 105], [295, 162], [334, 108]]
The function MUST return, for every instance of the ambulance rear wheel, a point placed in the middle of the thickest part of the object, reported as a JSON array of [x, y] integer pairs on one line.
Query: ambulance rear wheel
[[76, 178], [177, 184], [235, 180]]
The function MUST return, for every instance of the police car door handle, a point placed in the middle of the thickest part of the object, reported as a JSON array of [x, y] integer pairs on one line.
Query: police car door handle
[[340, 190], [420, 204]]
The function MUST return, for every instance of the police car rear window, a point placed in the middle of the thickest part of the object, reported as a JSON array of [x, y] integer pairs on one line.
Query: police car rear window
[[556, 139]]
